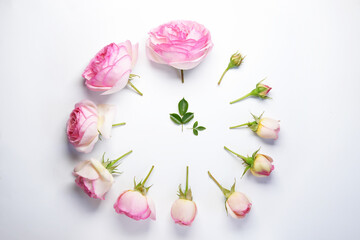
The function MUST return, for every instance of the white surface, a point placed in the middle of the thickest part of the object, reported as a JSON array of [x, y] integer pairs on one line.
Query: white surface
[[308, 50]]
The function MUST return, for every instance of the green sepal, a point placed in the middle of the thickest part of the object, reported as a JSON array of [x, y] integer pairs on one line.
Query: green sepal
[[246, 169], [254, 154]]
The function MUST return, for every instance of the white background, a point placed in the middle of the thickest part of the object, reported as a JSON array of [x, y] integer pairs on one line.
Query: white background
[[308, 50]]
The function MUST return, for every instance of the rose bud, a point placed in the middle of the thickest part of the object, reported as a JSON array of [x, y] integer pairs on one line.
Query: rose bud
[[183, 210], [95, 177], [237, 204], [260, 91], [180, 44], [260, 165], [88, 122], [263, 127], [110, 70], [235, 61], [135, 204]]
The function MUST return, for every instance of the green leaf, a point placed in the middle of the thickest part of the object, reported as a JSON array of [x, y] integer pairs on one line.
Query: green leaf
[[187, 117], [200, 128], [195, 132], [195, 124], [183, 106], [175, 118]]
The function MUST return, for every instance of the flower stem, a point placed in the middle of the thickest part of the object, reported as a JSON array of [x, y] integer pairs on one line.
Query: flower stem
[[239, 99], [240, 156], [137, 90], [217, 183], [223, 75], [143, 183], [244, 124], [182, 75], [118, 124], [116, 160], [187, 179]]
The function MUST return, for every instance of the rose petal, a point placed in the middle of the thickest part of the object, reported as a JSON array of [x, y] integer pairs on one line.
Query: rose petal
[[85, 169], [106, 115], [183, 211]]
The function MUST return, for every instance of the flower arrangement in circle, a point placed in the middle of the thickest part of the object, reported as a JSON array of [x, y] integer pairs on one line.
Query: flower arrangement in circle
[[182, 45]]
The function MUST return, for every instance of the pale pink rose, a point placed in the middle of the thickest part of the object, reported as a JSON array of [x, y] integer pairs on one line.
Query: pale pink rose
[[262, 165], [93, 178], [85, 123], [268, 128], [238, 205], [180, 44], [110, 69], [135, 205], [183, 211]]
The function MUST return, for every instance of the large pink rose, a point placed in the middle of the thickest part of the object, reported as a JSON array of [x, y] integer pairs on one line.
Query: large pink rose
[[180, 44], [93, 178], [110, 69], [85, 123]]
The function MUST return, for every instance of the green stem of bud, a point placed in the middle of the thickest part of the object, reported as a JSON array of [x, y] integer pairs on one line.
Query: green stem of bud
[[239, 99], [182, 75], [143, 183], [116, 160], [118, 124], [223, 75], [240, 156], [244, 124], [224, 190], [187, 180], [137, 90]]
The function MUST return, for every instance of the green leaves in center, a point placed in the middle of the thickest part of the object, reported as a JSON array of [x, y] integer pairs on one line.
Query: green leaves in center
[[184, 116]]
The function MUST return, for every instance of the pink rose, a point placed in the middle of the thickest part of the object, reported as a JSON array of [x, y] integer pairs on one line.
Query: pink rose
[[264, 127], [135, 204], [238, 205], [268, 128], [183, 211], [260, 91], [180, 44], [110, 69], [260, 165], [85, 123], [93, 178]]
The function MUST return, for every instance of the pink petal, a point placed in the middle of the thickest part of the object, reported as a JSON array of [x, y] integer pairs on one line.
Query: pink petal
[[152, 208], [133, 204], [183, 211]]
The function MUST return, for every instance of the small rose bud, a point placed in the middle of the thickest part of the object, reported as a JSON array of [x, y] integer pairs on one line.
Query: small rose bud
[[95, 178], [268, 128], [235, 61], [260, 165], [135, 204], [263, 127], [183, 210], [237, 204], [260, 91]]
